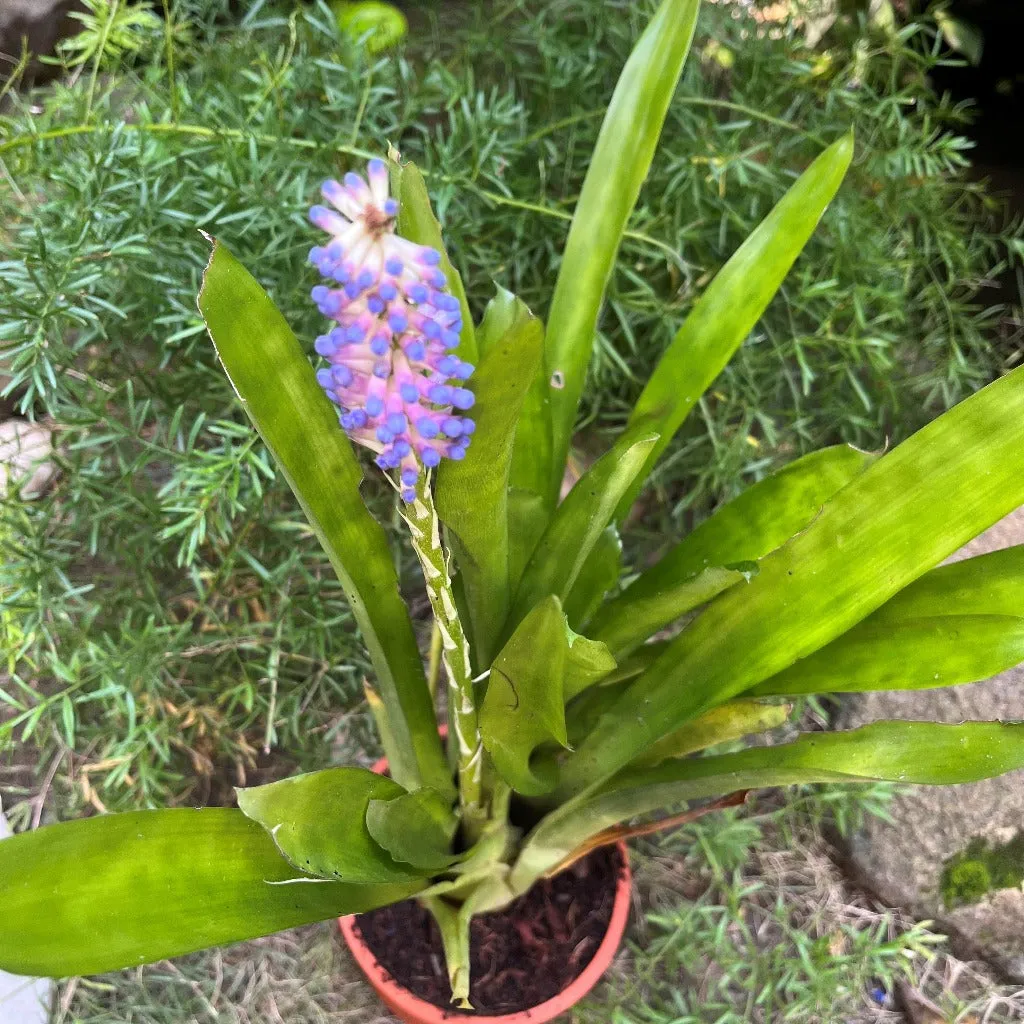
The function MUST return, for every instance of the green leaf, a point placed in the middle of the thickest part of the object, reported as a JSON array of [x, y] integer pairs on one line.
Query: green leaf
[[454, 929], [636, 663], [121, 890], [759, 520], [416, 221], [502, 314], [472, 495], [528, 516], [489, 893], [618, 167], [625, 625], [733, 303], [587, 661], [415, 828], [989, 584], [578, 523], [957, 624], [901, 517], [746, 529], [318, 821], [915, 654], [599, 574], [915, 752], [523, 706], [730, 721], [278, 390], [528, 509]]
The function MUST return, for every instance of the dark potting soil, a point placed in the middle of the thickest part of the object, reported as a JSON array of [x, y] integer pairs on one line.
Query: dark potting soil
[[520, 956]]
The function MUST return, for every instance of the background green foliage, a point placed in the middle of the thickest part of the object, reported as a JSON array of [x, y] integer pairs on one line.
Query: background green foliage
[[177, 616]]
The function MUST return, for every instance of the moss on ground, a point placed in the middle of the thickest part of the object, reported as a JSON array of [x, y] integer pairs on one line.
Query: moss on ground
[[980, 868]]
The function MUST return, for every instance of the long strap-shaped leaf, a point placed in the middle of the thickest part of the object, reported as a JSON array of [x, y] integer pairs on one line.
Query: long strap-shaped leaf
[[734, 302], [746, 529], [578, 524], [278, 390], [472, 495], [921, 752], [914, 654], [900, 518], [991, 584], [626, 625], [956, 624], [618, 166], [127, 889]]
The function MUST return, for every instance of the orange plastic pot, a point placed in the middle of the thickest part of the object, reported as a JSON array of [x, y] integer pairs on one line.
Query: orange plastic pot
[[413, 1010]]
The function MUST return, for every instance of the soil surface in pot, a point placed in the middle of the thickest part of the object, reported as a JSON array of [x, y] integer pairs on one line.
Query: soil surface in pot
[[520, 956]]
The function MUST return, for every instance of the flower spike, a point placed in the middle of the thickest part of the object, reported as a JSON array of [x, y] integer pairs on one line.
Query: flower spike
[[390, 369]]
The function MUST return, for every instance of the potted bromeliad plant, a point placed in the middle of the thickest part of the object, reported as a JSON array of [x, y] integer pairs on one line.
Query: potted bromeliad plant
[[581, 698]]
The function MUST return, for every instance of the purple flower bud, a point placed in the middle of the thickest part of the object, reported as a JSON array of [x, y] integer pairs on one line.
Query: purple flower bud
[[325, 346]]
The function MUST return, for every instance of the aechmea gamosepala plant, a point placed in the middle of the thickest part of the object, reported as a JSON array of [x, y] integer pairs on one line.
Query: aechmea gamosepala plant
[[581, 695]]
